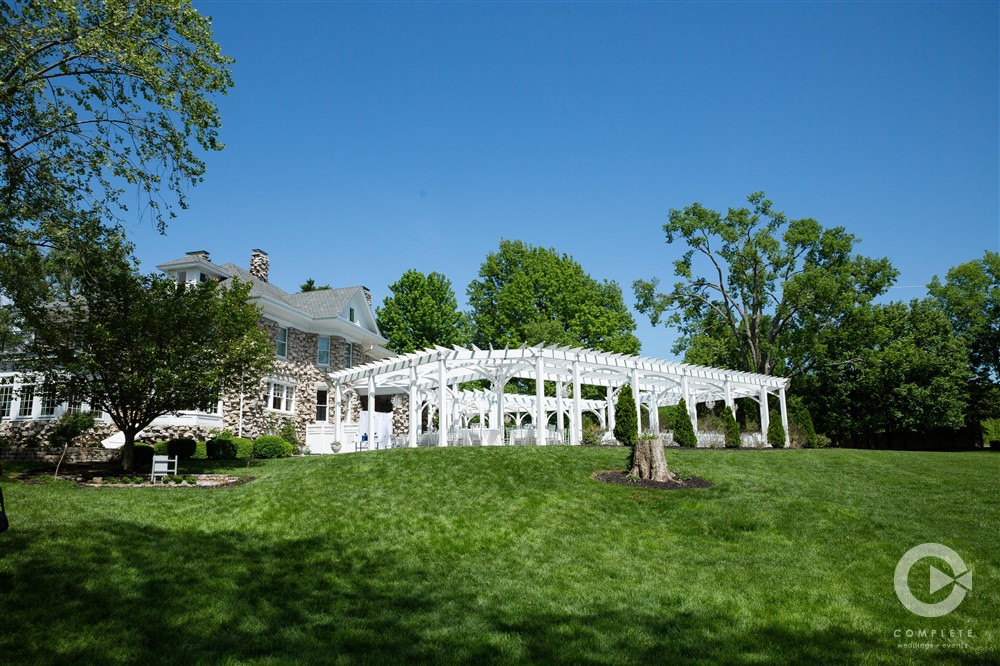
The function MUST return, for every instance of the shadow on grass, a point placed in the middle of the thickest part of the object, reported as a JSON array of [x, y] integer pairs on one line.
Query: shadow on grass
[[130, 594]]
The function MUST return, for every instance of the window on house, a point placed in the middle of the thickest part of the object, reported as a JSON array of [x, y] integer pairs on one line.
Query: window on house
[[323, 351], [202, 277], [182, 276], [351, 314], [49, 404], [280, 397], [322, 395], [348, 357], [73, 406], [6, 400], [282, 342], [27, 401]]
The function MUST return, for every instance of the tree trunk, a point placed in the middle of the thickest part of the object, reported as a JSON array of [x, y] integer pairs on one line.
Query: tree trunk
[[128, 450], [649, 462]]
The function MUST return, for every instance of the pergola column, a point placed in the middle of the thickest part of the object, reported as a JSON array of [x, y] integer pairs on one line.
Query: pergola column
[[611, 409], [576, 433], [560, 426], [414, 410], [442, 401], [765, 416], [499, 386], [539, 417], [691, 409], [784, 416], [338, 427], [371, 410], [638, 401]]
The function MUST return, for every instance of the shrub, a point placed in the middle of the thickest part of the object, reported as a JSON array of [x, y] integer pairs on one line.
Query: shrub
[[683, 430], [991, 431], [142, 458], [184, 448], [271, 446], [626, 423], [244, 447], [220, 449], [287, 432], [591, 435], [160, 448], [192, 480], [800, 424], [69, 426], [731, 428], [776, 431], [200, 451]]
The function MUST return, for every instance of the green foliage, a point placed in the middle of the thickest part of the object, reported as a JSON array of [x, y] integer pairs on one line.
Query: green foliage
[[287, 432], [771, 285], [776, 431], [310, 285], [800, 424], [141, 346], [100, 96], [591, 435], [626, 423], [69, 426], [905, 372], [271, 446], [683, 430], [244, 447], [731, 428], [183, 448], [970, 296], [142, 457], [421, 312], [991, 431], [191, 479], [221, 449], [532, 295], [161, 448], [200, 450]]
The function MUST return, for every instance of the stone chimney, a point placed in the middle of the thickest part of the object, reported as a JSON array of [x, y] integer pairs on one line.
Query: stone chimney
[[260, 265], [368, 295]]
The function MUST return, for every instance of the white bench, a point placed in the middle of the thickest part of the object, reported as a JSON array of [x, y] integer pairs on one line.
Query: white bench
[[163, 466]]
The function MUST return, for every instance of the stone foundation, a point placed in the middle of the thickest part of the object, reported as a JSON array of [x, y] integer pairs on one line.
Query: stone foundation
[[50, 454]]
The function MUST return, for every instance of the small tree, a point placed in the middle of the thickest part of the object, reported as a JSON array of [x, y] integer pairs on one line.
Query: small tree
[[776, 431], [731, 428], [683, 430], [626, 424], [142, 346]]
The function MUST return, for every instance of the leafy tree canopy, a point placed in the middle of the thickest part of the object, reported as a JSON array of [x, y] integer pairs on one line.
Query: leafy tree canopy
[[764, 287], [310, 285], [100, 96], [530, 295], [970, 296], [902, 370], [421, 312], [140, 346]]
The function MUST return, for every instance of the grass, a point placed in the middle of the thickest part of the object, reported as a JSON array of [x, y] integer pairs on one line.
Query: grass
[[501, 555]]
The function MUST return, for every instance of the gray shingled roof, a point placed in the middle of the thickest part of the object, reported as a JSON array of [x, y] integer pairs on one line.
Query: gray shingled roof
[[325, 302], [188, 259]]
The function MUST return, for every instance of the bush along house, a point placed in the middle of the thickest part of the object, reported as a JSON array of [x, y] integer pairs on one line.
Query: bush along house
[[314, 333]]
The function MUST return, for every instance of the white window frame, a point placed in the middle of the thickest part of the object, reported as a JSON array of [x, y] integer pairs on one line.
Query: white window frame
[[320, 358], [284, 393], [26, 398], [49, 405], [281, 348], [325, 406], [6, 400], [350, 315], [349, 356]]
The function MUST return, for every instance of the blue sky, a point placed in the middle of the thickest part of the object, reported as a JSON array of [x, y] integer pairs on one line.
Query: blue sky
[[364, 139]]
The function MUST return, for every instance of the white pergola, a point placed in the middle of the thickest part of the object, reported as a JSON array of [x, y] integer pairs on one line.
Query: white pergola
[[431, 379]]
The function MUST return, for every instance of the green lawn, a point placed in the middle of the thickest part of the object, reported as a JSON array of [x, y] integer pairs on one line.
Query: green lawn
[[502, 554]]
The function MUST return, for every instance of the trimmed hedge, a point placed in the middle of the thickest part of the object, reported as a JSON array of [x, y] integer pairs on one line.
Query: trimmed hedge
[[244, 447], [160, 448], [220, 449], [271, 446], [200, 451], [776, 431], [142, 457], [184, 448], [626, 426], [683, 430], [731, 428]]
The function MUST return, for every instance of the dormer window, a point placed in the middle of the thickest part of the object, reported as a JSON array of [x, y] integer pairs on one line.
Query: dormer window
[[350, 314]]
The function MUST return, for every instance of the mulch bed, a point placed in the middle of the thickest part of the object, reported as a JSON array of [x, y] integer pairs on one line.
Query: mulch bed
[[622, 479], [91, 474]]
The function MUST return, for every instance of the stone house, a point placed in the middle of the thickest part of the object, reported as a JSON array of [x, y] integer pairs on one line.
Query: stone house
[[314, 333]]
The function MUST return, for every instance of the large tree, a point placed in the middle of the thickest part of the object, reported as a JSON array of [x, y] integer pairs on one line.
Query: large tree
[[764, 287], [901, 370], [421, 312], [529, 295], [100, 97], [140, 346]]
